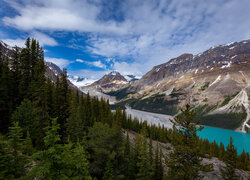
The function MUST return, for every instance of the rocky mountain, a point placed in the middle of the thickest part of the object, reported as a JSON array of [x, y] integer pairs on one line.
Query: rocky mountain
[[216, 82], [109, 82]]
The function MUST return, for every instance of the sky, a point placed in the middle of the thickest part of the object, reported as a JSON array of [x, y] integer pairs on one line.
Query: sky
[[93, 37]]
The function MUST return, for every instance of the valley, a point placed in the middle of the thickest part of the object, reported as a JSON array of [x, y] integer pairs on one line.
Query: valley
[[215, 83]]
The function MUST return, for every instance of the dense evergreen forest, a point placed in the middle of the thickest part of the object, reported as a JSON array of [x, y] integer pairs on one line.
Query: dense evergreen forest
[[49, 131]]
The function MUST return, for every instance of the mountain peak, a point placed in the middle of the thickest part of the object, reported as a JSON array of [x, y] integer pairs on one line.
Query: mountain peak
[[111, 81]]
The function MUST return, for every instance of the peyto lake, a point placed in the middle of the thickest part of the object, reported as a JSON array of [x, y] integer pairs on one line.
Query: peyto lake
[[240, 140]]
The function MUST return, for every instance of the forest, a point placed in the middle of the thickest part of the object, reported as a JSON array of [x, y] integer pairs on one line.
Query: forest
[[51, 131]]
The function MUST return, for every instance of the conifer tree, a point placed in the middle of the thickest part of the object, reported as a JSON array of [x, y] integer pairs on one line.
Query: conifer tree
[[16, 77], [158, 169], [229, 172], [5, 94], [59, 161], [185, 162], [221, 151], [129, 169], [6, 169], [143, 159], [19, 160], [25, 68], [28, 146], [109, 172]]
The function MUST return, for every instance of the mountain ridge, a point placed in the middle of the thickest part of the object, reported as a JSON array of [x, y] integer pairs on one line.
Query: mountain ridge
[[206, 81]]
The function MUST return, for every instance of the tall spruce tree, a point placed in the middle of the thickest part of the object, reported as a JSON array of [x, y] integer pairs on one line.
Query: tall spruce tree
[[158, 168], [19, 160], [185, 162], [5, 94], [229, 172], [6, 160], [143, 159], [109, 171]]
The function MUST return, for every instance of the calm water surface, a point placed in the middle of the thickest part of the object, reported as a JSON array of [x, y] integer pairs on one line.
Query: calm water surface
[[240, 140]]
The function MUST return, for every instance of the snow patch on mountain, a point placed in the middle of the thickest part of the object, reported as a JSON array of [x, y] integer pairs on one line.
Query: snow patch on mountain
[[216, 80], [77, 81]]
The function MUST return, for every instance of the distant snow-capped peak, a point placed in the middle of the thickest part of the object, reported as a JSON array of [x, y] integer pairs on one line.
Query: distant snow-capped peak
[[80, 81]]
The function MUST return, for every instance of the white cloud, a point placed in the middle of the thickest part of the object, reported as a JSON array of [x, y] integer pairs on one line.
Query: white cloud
[[90, 74], [128, 69], [79, 60], [98, 63], [62, 63], [69, 15], [44, 40], [147, 33], [15, 42]]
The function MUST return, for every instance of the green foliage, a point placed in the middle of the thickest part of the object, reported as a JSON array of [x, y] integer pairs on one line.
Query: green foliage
[[121, 93], [19, 160], [143, 159], [227, 121], [185, 161], [59, 161], [6, 169], [155, 104], [102, 144], [158, 168], [204, 86], [109, 172], [227, 99], [228, 173]]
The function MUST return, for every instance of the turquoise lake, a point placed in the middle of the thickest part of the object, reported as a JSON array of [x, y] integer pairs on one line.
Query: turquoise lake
[[240, 140]]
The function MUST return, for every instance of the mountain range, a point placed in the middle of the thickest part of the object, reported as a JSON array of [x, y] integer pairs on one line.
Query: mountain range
[[216, 83]]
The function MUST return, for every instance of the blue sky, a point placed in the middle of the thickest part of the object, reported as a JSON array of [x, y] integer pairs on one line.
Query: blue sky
[[93, 37]]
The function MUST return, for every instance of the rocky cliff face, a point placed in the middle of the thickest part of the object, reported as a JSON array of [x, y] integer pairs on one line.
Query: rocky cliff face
[[215, 78]]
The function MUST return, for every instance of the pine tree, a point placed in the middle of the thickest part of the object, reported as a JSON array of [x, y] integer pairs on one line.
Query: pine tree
[[28, 146], [5, 94], [229, 173], [19, 160], [59, 161], [129, 169], [185, 162], [109, 172], [25, 68], [221, 151], [16, 77], [158, 169], [143, 159], [62, 102], [6, 169]]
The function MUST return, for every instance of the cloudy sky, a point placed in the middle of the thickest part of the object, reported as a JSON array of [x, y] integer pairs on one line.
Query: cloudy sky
[[93, 37]]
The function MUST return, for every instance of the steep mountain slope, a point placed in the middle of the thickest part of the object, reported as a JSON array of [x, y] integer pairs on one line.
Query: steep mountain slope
[[109, 82], [208, 81]]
